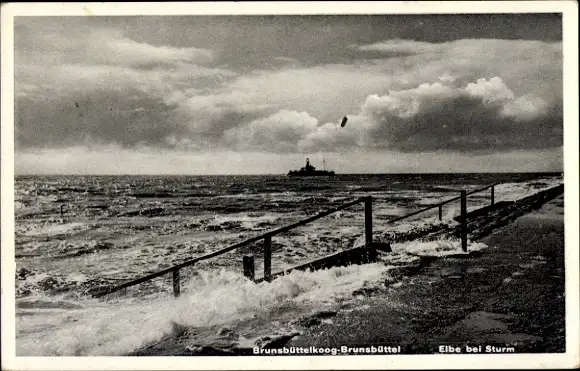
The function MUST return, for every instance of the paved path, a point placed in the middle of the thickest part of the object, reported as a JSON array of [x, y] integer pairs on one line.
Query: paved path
[[510, 296]]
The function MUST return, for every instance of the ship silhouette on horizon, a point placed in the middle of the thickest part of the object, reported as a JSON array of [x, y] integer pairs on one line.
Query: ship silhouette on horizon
[[310, 170]]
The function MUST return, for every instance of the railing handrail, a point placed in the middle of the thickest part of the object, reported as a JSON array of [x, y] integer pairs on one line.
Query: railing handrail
[[439, 204], [229, 248], [267, 236]]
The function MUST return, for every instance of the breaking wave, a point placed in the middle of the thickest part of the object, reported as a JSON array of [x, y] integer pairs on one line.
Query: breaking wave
[[211, 299]]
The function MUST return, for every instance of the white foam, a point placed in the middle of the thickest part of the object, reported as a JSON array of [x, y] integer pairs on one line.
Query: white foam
[[516, 191], [359, 242], [54, 229], [410, 225], [245, 218], [213, 300], [436, 248]]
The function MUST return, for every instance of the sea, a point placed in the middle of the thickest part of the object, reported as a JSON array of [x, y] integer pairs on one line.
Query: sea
[[75, 235]]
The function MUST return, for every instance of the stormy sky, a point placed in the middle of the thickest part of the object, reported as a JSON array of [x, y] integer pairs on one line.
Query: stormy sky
[[259, 94]]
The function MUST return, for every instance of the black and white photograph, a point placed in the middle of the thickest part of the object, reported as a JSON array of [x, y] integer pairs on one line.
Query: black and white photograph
[[293, 185]]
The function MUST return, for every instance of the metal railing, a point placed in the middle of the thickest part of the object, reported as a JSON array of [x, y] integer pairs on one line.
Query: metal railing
[[267, 237], [463, 213], [440, 204], [248, 261]]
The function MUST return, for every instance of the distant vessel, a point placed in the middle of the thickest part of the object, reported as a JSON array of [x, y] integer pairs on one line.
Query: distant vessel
[[310, 170]]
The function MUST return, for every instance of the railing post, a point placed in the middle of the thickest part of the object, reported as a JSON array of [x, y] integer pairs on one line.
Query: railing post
[[268, 258], [368, 221], [463, 219], [249, 270], [176, 286], [493, 194], [440, 212]]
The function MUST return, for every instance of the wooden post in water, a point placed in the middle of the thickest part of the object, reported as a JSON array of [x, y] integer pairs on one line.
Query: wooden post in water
[[249, 270], [493, 194], [440, 212], [368, 221], [463, 219], [268, 258], [176, 286], [61, 207]]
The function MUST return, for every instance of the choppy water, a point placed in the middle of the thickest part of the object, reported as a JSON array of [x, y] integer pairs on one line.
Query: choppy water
[[114, 228]]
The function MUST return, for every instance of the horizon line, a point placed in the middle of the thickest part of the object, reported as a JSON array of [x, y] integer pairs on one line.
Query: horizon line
[[285, 174]]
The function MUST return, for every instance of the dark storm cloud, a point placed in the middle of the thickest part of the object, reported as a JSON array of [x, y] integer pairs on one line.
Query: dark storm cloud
[[484, 115], [102, 117], [96, 86], [466, 124], [248, 42], [280, 83], [71, 40]]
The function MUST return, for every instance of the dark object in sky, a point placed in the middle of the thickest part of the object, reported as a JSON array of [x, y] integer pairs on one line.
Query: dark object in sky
[[76, 104], [344, 120]]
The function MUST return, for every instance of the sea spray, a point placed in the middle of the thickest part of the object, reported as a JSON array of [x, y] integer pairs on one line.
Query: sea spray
[[220, 298], [441, 247], [516, 191]]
